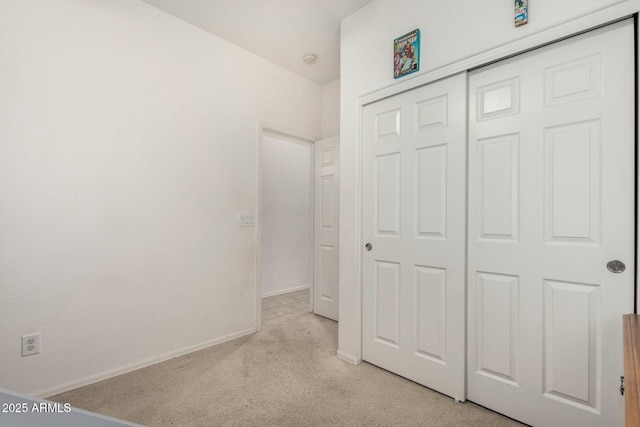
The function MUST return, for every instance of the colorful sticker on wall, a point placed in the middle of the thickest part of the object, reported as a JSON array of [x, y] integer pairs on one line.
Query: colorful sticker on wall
[[406, 54], [521, 16]]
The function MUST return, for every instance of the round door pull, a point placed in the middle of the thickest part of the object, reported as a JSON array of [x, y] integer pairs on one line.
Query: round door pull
[[616, 266], [368, 247]]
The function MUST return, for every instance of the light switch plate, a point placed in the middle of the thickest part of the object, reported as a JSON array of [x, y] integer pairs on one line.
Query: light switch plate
[[246, 220]]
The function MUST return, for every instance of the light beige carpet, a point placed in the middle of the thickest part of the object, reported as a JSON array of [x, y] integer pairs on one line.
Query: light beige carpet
[[285, 375]]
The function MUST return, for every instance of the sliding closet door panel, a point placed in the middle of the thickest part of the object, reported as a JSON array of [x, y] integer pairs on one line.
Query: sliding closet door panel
[[551, 203], [414, 209]]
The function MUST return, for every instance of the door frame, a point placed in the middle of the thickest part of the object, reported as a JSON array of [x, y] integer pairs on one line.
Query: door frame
[[295, 138], [549, 36]]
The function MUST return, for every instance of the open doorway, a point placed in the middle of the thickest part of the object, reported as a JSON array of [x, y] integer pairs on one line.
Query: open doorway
[[286, 226], [298, 226]]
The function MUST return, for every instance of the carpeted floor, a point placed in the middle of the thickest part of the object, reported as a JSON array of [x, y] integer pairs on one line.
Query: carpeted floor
[[285, 375]]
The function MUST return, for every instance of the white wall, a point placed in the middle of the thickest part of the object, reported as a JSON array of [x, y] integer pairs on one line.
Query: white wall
[[128, 143], [286, 215], [451, 32], [330, 109]]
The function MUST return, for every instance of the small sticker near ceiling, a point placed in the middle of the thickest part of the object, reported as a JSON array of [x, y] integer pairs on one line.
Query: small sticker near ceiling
[[521, 16]]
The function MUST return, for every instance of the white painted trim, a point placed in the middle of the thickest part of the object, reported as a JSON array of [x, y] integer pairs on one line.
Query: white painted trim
[[637, 159], [608, 15], [348, 358], [359, 243], [287, 133], [258, 225], [312, 219], [139, 365], [286, 291], [285, 137]]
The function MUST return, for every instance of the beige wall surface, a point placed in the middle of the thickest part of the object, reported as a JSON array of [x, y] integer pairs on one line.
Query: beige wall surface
[[128, 146]]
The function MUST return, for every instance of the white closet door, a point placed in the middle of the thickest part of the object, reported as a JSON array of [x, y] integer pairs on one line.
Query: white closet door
[[551, 203], [326, 228], [414, 170]]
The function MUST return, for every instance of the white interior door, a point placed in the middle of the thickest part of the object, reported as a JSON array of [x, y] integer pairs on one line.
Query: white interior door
[[414, 174], [326, 228], [551, 202]]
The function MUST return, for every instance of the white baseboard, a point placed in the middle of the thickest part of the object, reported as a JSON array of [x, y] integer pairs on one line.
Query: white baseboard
[[285, 291], [139, 365], [348, 358]]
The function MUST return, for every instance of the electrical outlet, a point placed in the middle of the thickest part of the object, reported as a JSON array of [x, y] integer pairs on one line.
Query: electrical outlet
[[30, 344]]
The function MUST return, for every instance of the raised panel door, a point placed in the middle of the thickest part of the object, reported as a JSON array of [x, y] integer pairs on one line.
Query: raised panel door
[[414, 168], [551, 202]]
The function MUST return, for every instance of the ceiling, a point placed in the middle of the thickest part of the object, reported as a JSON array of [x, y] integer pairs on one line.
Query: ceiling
[[282, 31]]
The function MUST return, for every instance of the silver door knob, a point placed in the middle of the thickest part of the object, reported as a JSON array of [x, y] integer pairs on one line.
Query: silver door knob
[[616, 266], [368, 247]]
